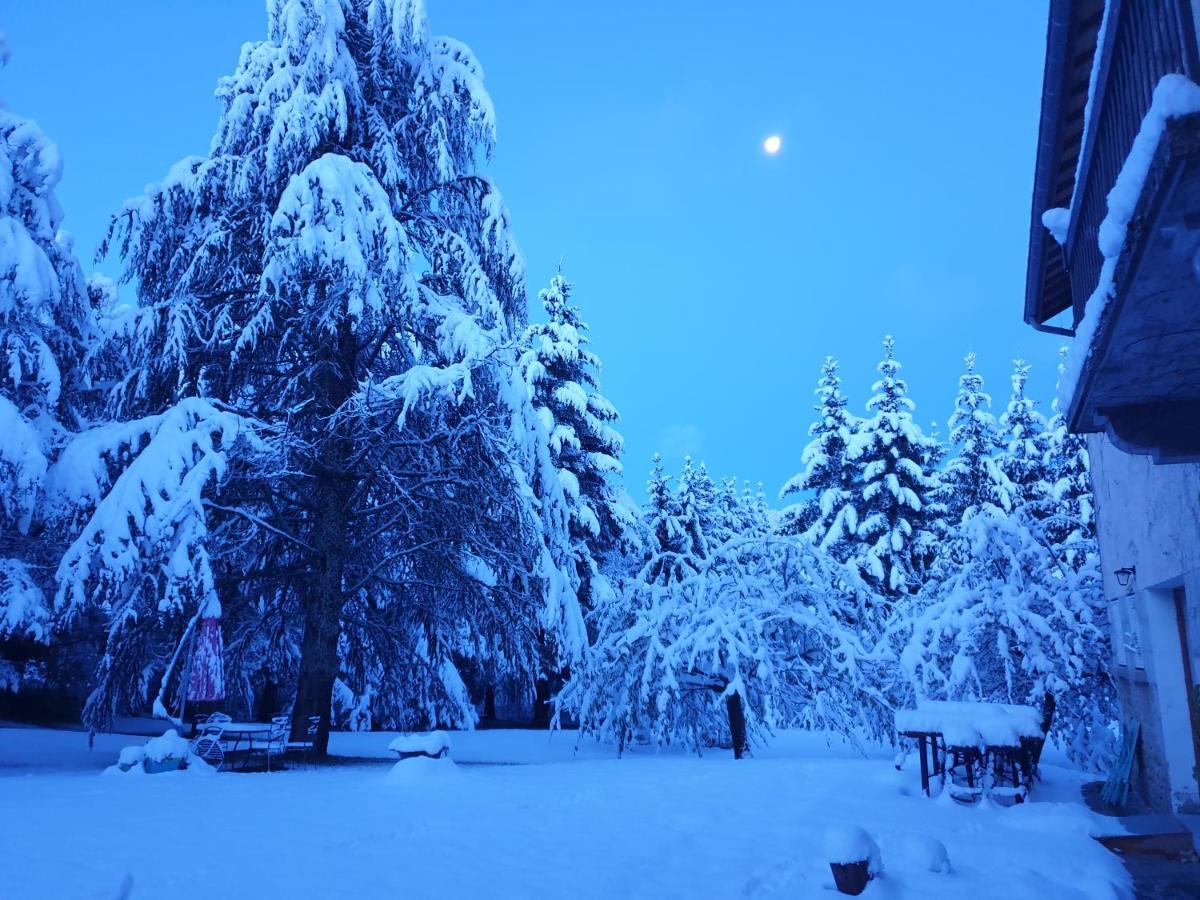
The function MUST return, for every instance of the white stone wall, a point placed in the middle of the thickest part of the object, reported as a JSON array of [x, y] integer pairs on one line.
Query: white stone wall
[[1148, 517]]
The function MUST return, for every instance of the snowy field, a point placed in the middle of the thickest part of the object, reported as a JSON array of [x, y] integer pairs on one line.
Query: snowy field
[[521, 815]]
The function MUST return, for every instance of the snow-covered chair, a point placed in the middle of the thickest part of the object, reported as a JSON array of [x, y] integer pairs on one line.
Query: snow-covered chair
[[305, 746], [207, 745], [275, 743]]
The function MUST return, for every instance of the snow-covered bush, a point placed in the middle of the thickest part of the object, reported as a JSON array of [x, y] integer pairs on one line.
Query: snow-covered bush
[[732, 646], [1007, 619]]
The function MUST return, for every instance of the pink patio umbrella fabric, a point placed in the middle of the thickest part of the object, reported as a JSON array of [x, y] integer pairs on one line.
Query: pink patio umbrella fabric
[[206, 677]]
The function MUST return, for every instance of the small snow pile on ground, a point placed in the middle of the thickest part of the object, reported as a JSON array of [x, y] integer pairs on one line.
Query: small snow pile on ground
[[850, 844], [423, 770], [435, 743], [156, 751], [926, 852]]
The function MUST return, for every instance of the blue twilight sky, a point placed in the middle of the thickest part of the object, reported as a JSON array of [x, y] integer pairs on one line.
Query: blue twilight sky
[[715, 278]]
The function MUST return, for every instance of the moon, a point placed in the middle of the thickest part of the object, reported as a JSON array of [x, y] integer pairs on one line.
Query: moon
[[772, 144]]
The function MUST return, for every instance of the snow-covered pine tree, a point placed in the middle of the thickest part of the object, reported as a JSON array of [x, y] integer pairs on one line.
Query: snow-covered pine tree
[[339, 269], [828, 487], [1023, 441], [896, 502], [563, 376], [973, 481], [670, 552], [1071, 526], [46, 327], [696, 507]]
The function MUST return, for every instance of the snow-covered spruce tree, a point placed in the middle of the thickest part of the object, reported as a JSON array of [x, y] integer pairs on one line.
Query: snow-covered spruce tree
[[696, 508], [828, 485], [46, 327], [746, 641], [585, 447], [1023, 441], [338, 269], [973, 481], [896, 504], [1005, 618], [1071, 526]]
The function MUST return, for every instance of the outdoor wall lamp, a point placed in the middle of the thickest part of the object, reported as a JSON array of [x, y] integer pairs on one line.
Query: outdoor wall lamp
[[1125, 575]]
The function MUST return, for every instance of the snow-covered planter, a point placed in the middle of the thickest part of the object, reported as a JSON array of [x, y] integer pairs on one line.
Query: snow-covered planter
[[434, 745], [854, 858], [165, 753]]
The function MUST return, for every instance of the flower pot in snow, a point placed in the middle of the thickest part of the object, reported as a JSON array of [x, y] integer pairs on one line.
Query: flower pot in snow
[[851, 878], [854, 858]]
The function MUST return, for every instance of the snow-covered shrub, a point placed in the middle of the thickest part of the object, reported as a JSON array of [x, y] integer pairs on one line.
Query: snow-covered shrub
[[733, 645], [1007, 619]]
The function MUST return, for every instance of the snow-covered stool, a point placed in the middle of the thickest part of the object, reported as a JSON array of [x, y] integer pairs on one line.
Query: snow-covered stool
[[993, 745], [434, 745]]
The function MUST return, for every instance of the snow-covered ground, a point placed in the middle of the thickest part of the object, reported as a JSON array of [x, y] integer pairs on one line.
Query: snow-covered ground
[[544, 822]]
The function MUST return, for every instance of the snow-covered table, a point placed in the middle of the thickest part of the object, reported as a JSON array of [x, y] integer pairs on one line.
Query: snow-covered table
[[999, 739]]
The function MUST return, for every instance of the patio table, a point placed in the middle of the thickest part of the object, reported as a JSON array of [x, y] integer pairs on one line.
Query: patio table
[[991, 736]]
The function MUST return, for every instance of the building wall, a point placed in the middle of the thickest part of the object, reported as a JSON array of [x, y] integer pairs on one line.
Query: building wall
[[1148, 517]]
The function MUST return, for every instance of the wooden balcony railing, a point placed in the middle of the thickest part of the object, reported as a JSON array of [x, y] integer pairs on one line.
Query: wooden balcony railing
[[1143, 41]]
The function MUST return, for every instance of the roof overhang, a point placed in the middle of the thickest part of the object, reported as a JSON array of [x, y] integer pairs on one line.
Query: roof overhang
[[1070, 45], [1140, 382]]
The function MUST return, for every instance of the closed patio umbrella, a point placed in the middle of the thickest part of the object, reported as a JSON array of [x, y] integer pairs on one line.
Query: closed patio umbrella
[[206, 672]]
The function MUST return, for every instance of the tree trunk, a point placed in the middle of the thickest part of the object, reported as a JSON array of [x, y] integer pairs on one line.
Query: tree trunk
[[489, 705], [322, 616], [543, 691], [333, 495], [737, 724]]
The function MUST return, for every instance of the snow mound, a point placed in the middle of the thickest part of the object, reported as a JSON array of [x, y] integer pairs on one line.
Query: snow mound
[[432, 744], [851, 844], [423, 770], [926, 852]]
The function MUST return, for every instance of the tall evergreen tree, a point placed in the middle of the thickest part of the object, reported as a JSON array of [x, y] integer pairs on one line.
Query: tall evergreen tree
[[339, 271], [896, 491], [671, 553], [696, 502], [828, 485], [973, 480], [585, 447], [1023, 440], [46, 326], [1072, 524]]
